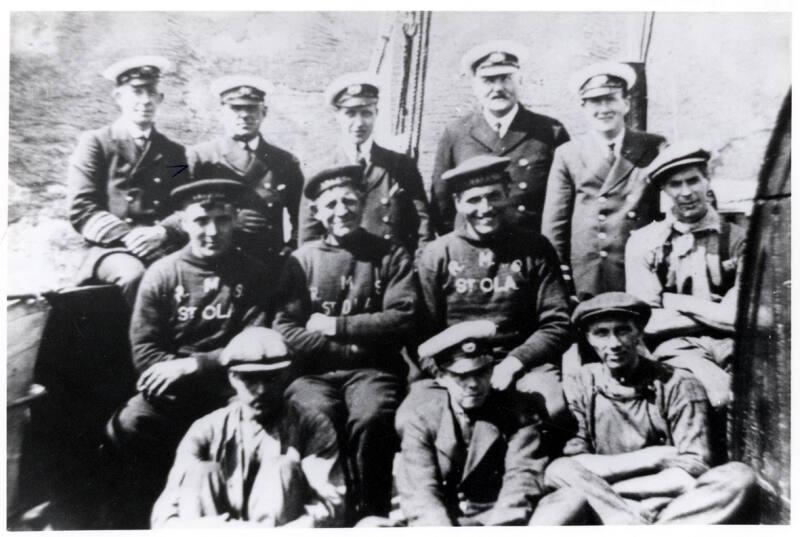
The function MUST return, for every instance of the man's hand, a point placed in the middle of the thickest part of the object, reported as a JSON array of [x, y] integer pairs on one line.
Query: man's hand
[[504, 372], [158, 378], [323, 324], [145, 241], [251, 221]]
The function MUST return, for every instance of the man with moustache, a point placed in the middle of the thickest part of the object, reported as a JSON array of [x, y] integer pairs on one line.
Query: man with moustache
[[687, 268], [188, 307], [487, 268], [119, 179], [641, 452], [243, 155], [598, 191], [260, 461], [395, 205], [347, 307], [502, 127], [472, 456]]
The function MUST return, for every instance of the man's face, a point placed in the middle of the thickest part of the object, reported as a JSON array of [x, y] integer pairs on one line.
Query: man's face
[[210, 228], [606, 113], [242, 121], [497, 93], [482, 207], [261, 393], [688, 188], [357, 123], [469, 390], [615, 340], [339, 209], [138, 104]]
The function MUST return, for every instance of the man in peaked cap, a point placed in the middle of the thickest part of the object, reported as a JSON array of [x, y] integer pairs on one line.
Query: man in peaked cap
[[469, 456], [259, 461], [502, 127], [598, 191], [395, 205], [348, 305], [119, 179], [487, 268], [687, 268], [641, 453], [242, 154], [188, 307]]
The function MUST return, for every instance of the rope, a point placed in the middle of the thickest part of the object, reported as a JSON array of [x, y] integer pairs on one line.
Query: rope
[[647, 35]]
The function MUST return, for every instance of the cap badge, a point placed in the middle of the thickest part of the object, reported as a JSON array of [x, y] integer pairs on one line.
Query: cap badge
[[497, 57], [469, 347], [354, 89]]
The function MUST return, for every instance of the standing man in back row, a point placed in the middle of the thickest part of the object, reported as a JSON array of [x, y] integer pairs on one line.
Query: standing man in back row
[[243, 155], [501, 128], [119, 179], [597, 192], [395, 205]]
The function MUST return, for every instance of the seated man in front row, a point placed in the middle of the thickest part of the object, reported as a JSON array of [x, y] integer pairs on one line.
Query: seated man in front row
[[347, 306], [686, 267], [260, 460], [489, 269], [470, 456], [641, 453]]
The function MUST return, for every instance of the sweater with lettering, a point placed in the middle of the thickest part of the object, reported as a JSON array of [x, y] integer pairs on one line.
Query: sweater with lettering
[[368, 284], [512, 279]]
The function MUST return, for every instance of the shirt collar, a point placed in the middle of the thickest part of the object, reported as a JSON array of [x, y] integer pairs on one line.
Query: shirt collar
[[617, 141], [352, 152], [710, 221], [252, 143], [136, 132], [504, 121]]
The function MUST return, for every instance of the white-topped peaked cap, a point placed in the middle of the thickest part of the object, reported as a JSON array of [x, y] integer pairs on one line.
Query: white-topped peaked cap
[[241, 89], [602, 78], [137, 70], [353, 89], [494, 58]]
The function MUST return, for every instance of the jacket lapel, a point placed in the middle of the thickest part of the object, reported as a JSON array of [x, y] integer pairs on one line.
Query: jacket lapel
[[152, 151], [630, 155], [377, 168], [125, 144], [593, 160], [234, 156], [484, 436], [483, 133], [447, 441], [516, 132]]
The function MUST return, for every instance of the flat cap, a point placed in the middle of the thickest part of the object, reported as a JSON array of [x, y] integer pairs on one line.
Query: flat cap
[[493, 58], [613, 302], [241, 89], [603, 78], [461, 348], [676, 156], [477, 171], [206, 190], [256, 350], [351, 175], [353, 89], [137, 70]]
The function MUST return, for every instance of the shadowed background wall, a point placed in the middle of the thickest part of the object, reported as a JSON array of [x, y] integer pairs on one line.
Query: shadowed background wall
[[719, 78]]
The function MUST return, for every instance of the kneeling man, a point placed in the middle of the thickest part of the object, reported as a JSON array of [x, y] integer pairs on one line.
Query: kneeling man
[[472, 456], [259, 460], [641, 453]]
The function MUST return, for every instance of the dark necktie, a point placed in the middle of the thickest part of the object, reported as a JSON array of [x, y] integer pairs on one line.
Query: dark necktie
[[140, 142], [612, 157]]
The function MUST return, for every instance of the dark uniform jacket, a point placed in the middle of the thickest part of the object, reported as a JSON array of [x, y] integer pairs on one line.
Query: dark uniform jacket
[[592, 206], [367, 284], [113, 186], [396, 207], [529, 143], [512, 279], [496, 478], [272, 172]]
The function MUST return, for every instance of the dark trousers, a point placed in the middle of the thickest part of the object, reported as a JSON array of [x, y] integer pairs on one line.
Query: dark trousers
[[361, 404]]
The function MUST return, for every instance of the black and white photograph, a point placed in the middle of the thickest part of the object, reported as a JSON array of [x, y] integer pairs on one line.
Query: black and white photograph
[[386, 268]]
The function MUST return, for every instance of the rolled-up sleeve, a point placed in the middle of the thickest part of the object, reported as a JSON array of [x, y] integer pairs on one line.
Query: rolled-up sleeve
[[688, 421]]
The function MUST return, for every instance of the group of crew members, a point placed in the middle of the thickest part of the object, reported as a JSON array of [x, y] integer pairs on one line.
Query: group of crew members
[[569, 345]]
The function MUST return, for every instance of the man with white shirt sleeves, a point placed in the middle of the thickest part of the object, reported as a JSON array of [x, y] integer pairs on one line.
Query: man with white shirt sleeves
[[598, 191], [119, 179], [395, 205], [502, 127], [242, 154], [687, 268]]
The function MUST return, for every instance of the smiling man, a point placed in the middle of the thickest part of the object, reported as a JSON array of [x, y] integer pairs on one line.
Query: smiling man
[[502, 127], [687, 267], [487, 268], [347, 307], [119, 179], [242, 154], [189, 306], [641, 453], [395, 205], [598, 191]]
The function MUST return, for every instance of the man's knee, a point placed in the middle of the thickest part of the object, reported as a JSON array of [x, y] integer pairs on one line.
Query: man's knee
[[735, 476], [562, 472], [565, 506], [130, 421], [123, 270]]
